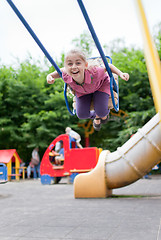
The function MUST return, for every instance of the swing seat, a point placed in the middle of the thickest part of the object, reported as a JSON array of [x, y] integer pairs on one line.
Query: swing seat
[[110, 104]]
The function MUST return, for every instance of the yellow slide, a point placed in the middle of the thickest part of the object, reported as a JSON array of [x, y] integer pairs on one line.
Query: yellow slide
[[140, 153]]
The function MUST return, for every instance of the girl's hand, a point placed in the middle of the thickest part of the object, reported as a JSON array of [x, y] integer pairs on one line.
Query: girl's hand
[[124, 76], [50, 79]]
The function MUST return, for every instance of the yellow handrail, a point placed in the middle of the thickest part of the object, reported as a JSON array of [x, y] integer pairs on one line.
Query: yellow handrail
[[152, 58]]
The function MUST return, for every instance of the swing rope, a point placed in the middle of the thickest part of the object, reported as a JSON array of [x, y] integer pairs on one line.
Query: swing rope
[[27, 26], [98, 45]]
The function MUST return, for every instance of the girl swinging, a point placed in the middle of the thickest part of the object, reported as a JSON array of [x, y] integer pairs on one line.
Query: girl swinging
[[88, 83]]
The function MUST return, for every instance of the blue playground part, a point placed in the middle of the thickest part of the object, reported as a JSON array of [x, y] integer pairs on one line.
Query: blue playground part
[[46, 179], [3, 173], [72, 177]]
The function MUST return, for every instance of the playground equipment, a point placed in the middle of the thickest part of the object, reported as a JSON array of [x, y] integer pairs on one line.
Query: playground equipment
[[126, 165], [76, 161], [3, 173], [139, 154], [12, 161], [152, 58]]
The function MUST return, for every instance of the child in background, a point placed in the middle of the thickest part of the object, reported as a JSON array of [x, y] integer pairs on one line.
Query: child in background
[[74, 135], [88, 83]]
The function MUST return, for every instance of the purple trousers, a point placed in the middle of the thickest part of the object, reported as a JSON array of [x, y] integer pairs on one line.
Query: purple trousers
[[100, 101]]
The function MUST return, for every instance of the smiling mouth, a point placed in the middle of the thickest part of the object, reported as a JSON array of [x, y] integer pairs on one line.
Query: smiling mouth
[[75, 72]]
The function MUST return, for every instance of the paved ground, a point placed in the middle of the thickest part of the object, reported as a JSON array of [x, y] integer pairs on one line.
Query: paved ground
[[33, 211]]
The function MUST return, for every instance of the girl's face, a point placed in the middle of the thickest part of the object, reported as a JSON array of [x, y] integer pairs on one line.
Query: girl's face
[[75, 67]]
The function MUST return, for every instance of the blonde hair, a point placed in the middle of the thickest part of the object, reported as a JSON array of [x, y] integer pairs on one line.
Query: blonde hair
[[78, 52], [96, 62]]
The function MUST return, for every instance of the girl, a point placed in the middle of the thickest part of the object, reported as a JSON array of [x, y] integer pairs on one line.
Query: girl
[[88, 83]]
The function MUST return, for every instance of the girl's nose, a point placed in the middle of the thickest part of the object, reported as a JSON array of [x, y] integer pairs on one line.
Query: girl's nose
[[74, 65]]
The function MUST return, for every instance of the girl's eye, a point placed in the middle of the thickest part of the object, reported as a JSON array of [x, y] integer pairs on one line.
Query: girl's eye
[[69, 64], [78, 63]]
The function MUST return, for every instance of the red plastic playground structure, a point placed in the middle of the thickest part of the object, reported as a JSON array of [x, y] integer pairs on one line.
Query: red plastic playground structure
[[76, 161]]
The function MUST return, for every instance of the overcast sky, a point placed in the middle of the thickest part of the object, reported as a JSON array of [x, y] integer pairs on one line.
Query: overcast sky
[[58, 22]]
